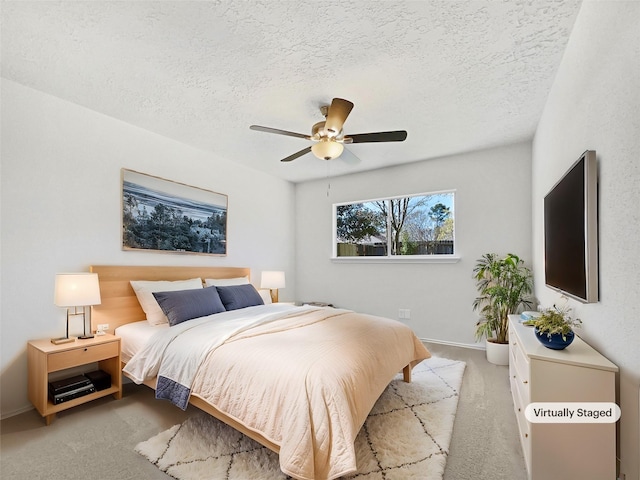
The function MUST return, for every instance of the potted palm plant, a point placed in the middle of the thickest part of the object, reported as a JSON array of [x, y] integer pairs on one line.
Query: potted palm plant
[[504, 285]]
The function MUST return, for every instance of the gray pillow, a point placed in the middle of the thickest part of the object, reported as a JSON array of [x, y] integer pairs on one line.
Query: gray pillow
[[239, 296], [183, 305]]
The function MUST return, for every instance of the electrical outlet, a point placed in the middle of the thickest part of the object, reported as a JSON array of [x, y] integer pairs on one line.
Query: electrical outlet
[[404, 314], [102, 327]]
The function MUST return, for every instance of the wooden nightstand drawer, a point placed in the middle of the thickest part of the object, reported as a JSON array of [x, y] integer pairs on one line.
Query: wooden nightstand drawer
[[81, 356]]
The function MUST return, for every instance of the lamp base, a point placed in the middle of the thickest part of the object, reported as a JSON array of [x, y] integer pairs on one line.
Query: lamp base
[[84, 337], [274, 295], [58, 341]]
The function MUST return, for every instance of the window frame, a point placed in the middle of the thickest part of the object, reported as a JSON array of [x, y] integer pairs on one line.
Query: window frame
[[391, 258]]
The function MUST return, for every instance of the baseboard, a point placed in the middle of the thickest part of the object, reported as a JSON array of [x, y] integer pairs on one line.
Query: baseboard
[[16, 412], [474, 346]]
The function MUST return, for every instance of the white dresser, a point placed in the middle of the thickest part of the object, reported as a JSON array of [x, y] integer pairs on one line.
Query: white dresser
[[561, 451]]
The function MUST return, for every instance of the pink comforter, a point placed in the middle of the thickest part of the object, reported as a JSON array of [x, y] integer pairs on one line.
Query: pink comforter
[[308, 382]]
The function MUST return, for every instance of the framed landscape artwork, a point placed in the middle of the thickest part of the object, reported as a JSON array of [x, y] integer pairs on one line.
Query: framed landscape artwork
[[166, 216]]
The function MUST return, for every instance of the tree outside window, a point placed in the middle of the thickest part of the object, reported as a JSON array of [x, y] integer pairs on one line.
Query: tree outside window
[[412, 225]]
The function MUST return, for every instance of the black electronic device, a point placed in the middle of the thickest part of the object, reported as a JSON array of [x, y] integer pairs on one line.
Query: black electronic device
[[69, 388], [100, 379], [571, 231]]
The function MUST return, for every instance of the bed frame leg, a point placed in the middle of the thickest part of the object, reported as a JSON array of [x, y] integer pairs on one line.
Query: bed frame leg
[[406, 372]]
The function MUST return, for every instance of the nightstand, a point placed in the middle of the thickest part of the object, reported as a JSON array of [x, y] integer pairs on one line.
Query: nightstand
[[44, 358]]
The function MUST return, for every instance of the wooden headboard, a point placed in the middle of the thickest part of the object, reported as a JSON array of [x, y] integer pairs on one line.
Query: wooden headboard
[[119, 302]]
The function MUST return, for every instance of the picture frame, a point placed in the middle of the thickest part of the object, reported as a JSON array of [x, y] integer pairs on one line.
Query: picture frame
[[161, 215]]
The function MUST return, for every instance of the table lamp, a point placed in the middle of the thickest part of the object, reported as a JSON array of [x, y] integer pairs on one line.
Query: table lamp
[[273, 281], [76, 290]]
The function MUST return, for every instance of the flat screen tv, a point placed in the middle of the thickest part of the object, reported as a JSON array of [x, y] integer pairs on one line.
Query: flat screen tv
[[571, 231]]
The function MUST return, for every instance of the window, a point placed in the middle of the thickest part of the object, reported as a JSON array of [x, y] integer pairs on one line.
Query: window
[[416, 226]]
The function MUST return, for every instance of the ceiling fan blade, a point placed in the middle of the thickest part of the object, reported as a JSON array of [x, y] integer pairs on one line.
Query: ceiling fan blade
[[337, 115], [349, 158], [279, 132], [395, 136], [296, 155]]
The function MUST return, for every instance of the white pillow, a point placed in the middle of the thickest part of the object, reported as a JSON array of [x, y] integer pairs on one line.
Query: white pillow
[[144, 291], [225, 282], [266, 296]]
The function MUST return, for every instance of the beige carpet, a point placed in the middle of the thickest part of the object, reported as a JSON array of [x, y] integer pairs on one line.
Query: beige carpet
[[406, 436]]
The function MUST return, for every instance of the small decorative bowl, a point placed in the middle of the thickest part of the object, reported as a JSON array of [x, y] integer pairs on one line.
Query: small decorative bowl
[[555, 341]]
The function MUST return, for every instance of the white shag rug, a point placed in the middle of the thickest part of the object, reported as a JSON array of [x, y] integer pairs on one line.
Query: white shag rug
[[406, 436]]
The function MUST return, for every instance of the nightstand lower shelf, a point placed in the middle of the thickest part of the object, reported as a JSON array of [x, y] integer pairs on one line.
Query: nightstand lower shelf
[[51, 409]]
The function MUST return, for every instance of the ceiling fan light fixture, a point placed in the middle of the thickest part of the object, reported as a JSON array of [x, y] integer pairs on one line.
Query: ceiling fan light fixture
[[327, 149], [328, 136]]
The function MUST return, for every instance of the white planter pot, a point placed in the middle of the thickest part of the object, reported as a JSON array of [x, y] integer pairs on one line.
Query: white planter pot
[[497, 353]]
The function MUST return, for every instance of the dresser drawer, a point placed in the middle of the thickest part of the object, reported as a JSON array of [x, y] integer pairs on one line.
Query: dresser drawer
[[520, 401], [525, 436], [520, 360], [519, 373], [80, 356]]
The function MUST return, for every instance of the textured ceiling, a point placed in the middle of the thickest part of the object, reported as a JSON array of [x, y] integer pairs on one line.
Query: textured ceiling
[[457, 75]]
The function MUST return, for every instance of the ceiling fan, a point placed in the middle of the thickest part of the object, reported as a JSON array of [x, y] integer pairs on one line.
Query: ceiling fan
[[329, 137]]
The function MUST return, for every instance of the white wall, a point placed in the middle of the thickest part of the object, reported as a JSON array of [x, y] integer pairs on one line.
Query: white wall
[[492, 214], [594, 104], [61, 212]]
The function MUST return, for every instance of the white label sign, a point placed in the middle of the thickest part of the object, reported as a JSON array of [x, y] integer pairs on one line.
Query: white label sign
[[572, 412]]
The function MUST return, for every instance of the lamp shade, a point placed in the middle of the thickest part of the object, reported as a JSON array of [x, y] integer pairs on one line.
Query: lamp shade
[[272, 279], [327, 149], [76, 290]]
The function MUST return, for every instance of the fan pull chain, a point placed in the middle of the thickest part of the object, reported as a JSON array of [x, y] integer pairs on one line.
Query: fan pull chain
[[328, 179]]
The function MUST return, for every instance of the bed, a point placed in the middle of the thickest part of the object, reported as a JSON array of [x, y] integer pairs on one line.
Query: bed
[[299, 380]]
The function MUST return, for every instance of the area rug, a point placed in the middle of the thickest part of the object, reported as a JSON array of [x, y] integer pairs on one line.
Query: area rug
[[406, 436]]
